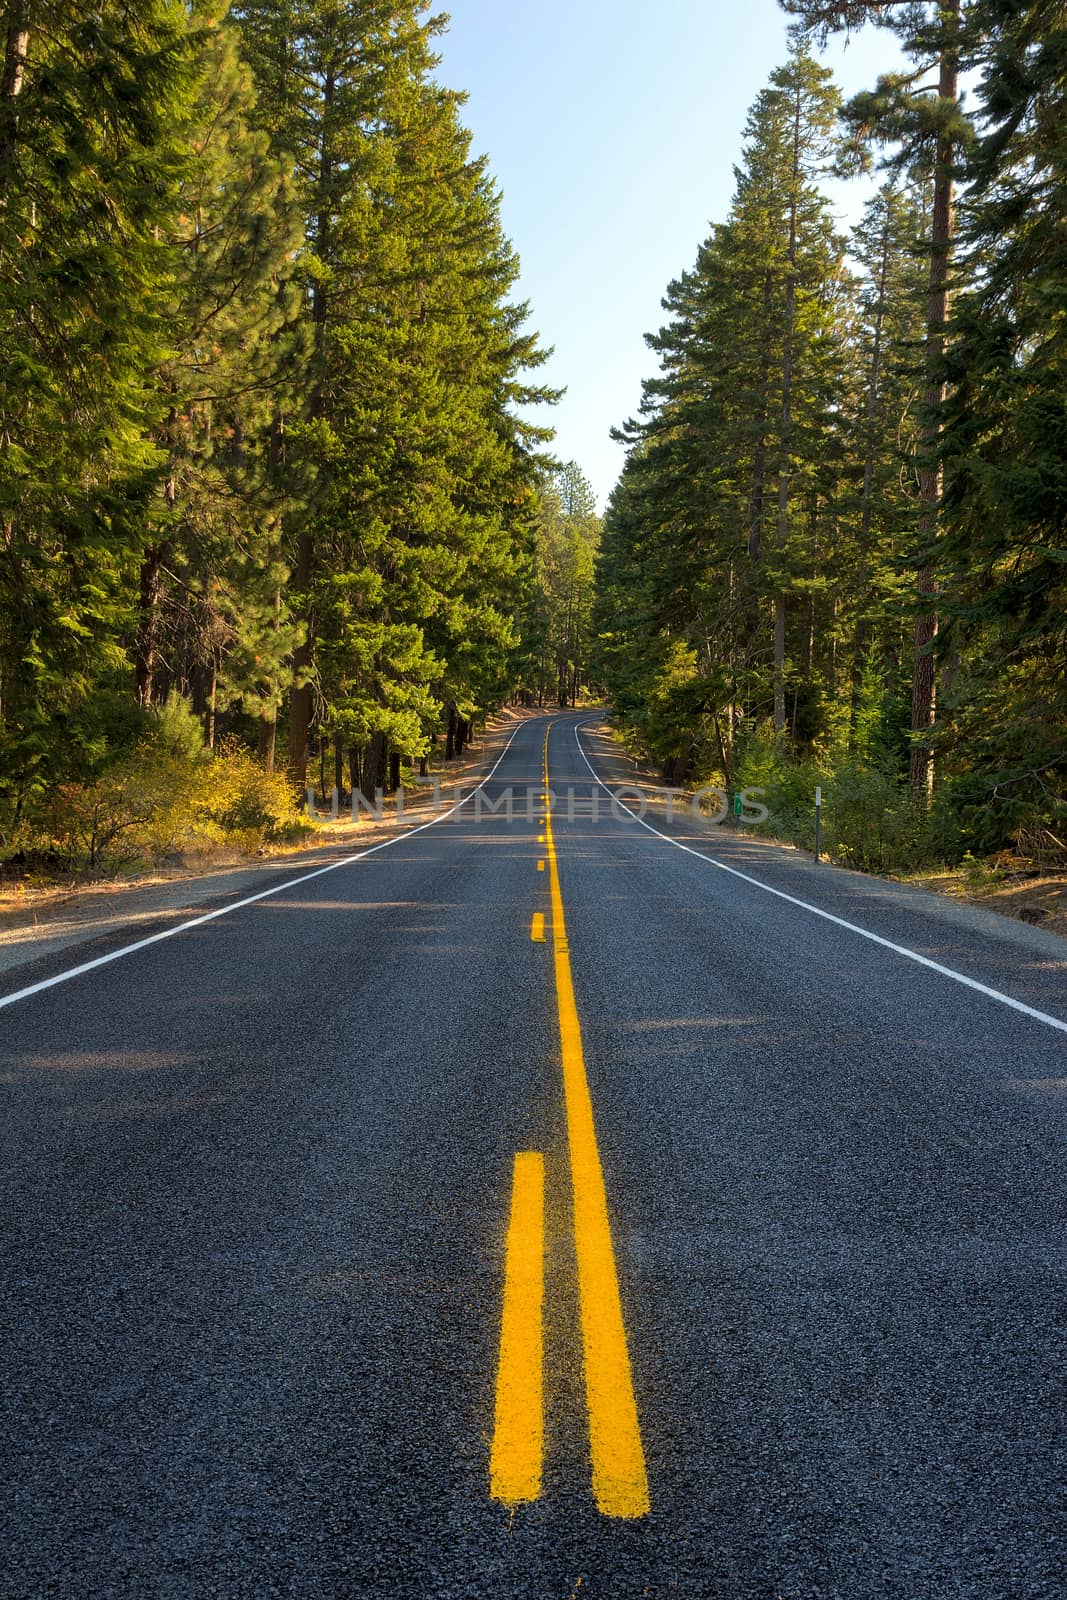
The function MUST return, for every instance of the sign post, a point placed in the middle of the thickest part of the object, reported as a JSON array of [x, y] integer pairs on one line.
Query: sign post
[[818, 819]]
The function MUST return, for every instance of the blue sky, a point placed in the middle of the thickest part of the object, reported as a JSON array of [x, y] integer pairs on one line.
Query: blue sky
[[612, 131]]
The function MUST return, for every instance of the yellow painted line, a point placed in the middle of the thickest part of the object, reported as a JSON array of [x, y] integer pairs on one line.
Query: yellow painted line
[[540, 866], [537, 927], [518, 1431], [540, 838], [620, 1481]]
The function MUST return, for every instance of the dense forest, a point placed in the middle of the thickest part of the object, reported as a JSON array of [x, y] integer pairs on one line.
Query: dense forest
[[266, 489], [837, 551], [273, 512]]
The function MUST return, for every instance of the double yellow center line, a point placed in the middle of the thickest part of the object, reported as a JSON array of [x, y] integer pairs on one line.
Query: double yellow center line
[[518, 1437], [619, 1477]]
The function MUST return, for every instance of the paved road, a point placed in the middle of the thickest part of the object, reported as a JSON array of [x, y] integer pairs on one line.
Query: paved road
[[257, 1184]]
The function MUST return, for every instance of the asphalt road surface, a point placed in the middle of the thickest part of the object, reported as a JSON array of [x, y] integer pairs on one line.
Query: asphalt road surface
[[772, 1306]]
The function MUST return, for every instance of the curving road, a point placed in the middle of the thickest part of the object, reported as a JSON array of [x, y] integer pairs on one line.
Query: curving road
[[257, 1186]]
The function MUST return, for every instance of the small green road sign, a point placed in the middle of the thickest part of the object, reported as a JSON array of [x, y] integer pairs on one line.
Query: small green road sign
[[737, 805]]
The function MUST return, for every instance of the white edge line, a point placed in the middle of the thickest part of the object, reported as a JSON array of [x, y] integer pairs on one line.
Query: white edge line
[[249, 900], [828, 916]]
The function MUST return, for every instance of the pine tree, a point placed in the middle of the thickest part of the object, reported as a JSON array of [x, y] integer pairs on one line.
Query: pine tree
[[409, 560], [928, 130], [559, 623], [719, 473], [211, 570], [92, 102], [885, 360], [321, 72], [1005, 442], [810, 106]]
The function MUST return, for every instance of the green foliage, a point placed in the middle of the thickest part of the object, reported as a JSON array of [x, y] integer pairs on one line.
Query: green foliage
[[755, 608], [870, 818], [727, 528], [874, 821], [978, 875], [1004, 545], [176, 731], [410, 554], [259, 374], [788, 785], [553, 658], [91, 160], [211, 623]]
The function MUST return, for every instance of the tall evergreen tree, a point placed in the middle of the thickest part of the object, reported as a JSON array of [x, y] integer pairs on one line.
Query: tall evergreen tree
[[925, 125], [211, 571], [720, 480], [810, 105], [885, 365], [408, 559], [1005, 442], [558, 621], [92, 104]]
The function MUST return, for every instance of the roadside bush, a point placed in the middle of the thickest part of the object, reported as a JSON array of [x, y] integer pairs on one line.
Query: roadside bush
[[870, 820], [167, 796], [244, 805], [789, 790], [139, 810], [873, 822]]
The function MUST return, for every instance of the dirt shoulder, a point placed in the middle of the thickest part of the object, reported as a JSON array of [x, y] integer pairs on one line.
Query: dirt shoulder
[[1040, 900], [42, 920]]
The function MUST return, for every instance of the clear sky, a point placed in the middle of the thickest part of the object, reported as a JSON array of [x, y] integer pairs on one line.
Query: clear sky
[[612, 130]]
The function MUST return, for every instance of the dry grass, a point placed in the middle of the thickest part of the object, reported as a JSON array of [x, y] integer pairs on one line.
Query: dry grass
[[1034, 897]]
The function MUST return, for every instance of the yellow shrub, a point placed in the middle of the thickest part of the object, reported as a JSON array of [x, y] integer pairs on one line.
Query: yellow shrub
[[159, 801]]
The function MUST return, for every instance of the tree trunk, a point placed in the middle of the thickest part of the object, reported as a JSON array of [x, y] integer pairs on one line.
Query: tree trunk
[[394, 771], [781, 538], [813, 541], [151, 592], [859, 639], [450, 733], [338, 764], [300, 700], [300, 708], [268, 739], [16, 47], [726, 752], [373, 774], [754, 509], [924, 680], [675, 769], [146, 649], [268, 727]]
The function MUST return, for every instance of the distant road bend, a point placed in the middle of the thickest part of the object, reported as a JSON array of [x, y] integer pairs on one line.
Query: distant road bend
[[548, 1202]]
